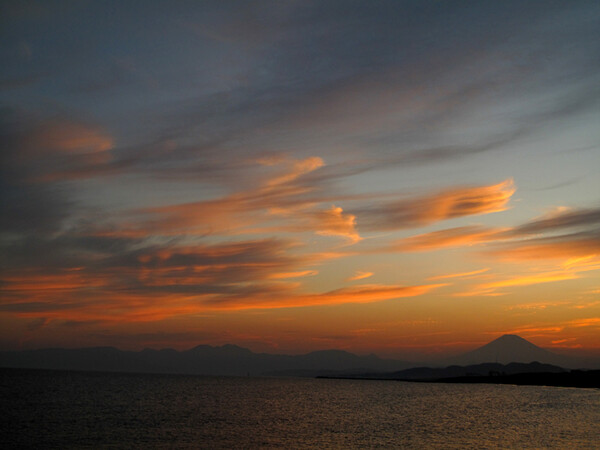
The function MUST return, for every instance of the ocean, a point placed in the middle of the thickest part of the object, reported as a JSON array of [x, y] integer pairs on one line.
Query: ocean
[[55, 409]]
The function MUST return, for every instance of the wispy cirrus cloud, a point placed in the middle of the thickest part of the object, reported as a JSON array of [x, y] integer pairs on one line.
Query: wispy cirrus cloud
[[287, 201], [298, 274], [538, 238], [333, 222], [533, 330], [562, 247], [451, 237], [586, 322], [583, 263], [560, 218], [151, 282], [356, 294], [286, 194], [447, 204], [547, 277], [152, 303], [497, 284], [360, 275], [113, 278], [296, 201], [471, 274], [46, 149]]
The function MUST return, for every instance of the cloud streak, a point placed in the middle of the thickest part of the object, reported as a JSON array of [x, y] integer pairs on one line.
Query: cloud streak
[[55, 148], [562, 247], [444, 205], [471, 274], [360, 275], [448, 238]]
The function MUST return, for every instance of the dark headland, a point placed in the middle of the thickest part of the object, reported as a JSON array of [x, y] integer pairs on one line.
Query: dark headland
[[572, 378]]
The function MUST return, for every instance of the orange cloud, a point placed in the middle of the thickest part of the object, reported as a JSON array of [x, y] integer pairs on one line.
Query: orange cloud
[[298, 168], [589, 322], [284, 197], [589, 304], [119, 308], [452, 237], [300, 274], [154, 305], [333, 222], [61, 149], [530, 279], [360, 276], [279, 204], [459, 275], [467, 201], [479, 292], [357, 294], [536, 306], [152, 283], [563, 341], [566, 247], [49, 282], [222, 215], [579, 248], [583, 263], [491, 289], [448, 204], [532, 330], [229, 269]]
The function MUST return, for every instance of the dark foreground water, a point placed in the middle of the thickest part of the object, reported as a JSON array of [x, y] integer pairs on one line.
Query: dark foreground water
[[45, 409]]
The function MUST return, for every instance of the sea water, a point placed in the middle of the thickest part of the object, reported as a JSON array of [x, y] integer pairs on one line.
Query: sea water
[[53, 409]]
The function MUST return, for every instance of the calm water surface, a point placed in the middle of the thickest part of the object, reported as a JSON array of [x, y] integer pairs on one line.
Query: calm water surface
[[46, 409]]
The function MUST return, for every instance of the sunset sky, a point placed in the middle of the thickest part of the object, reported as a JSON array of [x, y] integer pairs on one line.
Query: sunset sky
[[409, 178]]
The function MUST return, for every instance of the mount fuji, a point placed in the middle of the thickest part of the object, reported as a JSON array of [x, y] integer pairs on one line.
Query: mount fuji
[[508, 349]]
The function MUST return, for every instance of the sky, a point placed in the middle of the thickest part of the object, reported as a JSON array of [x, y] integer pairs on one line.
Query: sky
[[406, 178]]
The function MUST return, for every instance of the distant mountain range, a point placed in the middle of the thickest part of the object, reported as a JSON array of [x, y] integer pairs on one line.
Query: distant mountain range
[[203, 360], [238, 361]]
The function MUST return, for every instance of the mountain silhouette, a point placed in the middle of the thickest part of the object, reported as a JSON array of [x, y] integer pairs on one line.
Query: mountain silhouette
[[510, 348], [234, 360], [202, 360]]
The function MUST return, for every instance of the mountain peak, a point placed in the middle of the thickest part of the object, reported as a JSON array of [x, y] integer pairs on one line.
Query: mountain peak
[[512, 342], [506, 349], [511, 337]]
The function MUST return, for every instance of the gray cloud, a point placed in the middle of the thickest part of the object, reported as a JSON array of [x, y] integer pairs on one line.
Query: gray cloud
[[136, 267], [303, 55], [503, 53], [428, 209], [584, 244], [25, 207], [575, 218]]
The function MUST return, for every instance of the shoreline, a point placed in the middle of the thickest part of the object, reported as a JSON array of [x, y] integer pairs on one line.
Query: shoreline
[[575, 379]]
